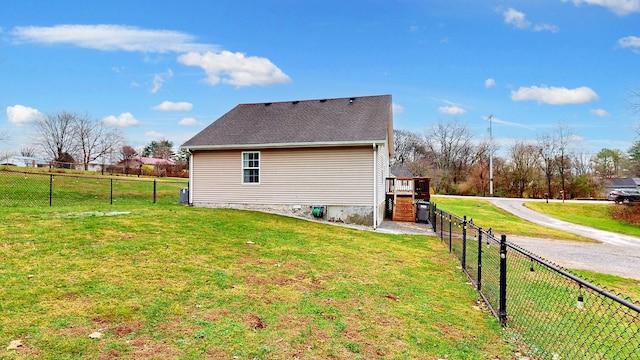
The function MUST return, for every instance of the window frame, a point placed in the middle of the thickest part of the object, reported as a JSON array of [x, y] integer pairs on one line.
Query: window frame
[[242, 173]]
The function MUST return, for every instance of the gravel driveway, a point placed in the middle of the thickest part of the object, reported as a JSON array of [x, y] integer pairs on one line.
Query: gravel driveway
[[613, 253]]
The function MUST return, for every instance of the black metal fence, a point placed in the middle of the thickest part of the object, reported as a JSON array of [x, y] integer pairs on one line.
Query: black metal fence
[[24, 188], [554, 313]]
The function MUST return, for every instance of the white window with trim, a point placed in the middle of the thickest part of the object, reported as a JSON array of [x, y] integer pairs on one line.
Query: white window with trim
[[251, 167]]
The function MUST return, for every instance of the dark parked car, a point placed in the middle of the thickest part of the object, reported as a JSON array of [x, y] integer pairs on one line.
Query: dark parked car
[[624, 195]]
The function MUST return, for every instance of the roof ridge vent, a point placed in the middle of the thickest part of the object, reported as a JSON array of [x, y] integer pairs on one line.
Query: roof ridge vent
[[351, 100], [295, 102], [267, 104], [323, 100]]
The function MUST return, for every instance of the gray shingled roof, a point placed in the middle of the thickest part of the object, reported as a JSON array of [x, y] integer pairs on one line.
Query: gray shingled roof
[[356, 120], [623, 183]]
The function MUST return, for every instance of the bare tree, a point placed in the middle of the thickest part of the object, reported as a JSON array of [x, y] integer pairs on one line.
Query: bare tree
[[55, 135], [28, 151], [548, 149], [524, 163], [408, 147], [5, 156], [95, 139], [479, 180], [581, 163], [450, 145], [563, 137]]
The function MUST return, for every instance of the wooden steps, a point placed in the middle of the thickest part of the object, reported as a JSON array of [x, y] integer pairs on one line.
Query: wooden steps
[[404, 209]]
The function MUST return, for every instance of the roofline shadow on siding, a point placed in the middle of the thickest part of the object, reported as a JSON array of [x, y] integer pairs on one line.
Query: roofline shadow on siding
[[286, 145]]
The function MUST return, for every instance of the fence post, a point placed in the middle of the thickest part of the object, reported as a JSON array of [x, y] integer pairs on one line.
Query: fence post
[[479, 284], [503, 280], [441, 225], [464, 242], [111, 193], [154, 191], [50, 189], [435, 219], [450, 232]]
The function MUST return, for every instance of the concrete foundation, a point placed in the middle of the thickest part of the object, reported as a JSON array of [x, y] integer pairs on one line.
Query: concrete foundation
[[357, 215]]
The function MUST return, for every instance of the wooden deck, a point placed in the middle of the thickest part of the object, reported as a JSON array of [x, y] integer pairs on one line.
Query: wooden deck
[[402, 194]]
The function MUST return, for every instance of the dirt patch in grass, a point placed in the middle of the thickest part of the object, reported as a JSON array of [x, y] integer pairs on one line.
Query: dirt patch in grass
[[76, 331], [253, 321], [217, 353], [126, 328], [144, 347], [213, 315]]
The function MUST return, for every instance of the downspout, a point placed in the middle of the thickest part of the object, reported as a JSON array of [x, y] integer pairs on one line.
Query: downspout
[[190, 178], [375, 186]]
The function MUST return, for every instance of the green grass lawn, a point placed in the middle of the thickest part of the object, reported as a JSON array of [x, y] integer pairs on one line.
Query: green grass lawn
[[169, 281], [595, 215], [35, 188], [486, 215]]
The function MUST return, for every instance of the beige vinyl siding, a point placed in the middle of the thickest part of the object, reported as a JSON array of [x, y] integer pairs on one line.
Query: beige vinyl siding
[[320, 176]]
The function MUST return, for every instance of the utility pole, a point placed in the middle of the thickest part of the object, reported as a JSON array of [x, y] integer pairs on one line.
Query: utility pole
[[490, 156]]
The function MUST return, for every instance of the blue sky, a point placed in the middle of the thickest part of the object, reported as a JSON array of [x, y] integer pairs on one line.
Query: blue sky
[[166, 69]]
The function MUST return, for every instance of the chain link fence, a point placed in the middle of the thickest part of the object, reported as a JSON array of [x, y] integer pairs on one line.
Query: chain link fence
[[554, 313], [24, 188]]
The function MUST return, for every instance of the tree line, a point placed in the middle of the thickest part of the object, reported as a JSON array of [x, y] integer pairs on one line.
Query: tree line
[[549, 166], [68, 139]]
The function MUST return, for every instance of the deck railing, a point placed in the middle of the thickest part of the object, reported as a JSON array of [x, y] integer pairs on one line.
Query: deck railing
[[399, 185]]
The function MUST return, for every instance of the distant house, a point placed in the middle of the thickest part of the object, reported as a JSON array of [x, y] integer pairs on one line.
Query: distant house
[[24, 161], [328, 158], [632, 183], [135, 165]]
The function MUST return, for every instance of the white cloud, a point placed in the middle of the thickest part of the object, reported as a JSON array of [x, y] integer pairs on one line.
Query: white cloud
[[600, 112], [112, 38], [158, 80], [452, 110], [123, 120], [519, 20], [154, 135], [516, 18], [157, 83], [632, 42], [397, 108], [620, 7], [226, 67], [546, 27], [489, 83], [20, 115], [189, 121], [174, 106], [509, 123], [555, 95], [235, 68], [574, 137]]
